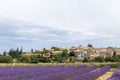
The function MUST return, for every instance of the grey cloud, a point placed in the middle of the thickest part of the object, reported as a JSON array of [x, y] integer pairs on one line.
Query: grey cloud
[[29, 32], [44, 23]]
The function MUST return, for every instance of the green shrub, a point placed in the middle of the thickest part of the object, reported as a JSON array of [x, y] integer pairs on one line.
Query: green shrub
[[85, 60], [99, 59], [34, 59], [15, 53], [57, 58], [114, 65], [25, 59], [6, 59]]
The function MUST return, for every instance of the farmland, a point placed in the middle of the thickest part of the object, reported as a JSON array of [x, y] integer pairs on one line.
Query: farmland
[[54, 71]]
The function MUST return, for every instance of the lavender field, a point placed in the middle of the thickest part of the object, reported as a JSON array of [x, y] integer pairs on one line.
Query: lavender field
[[115, 75], [61, 72]]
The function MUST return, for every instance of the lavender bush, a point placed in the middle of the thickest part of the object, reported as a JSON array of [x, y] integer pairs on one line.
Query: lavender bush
[[115, 75], [82, 72]]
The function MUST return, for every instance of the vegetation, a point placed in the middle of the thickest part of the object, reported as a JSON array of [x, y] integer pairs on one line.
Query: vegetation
[[24, 59], [43, 59], [85, 60], [34, 59], [72, 54], [115, 58], [55, 48], [99, 59], [17, 55], [114, 54], [44, 51], [57, 58], [90, 45], [6, 59]]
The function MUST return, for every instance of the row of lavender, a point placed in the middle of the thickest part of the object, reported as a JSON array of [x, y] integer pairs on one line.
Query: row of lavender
[[24, 73], [66, 75], [93, 74], [115, 75], [82, 72]]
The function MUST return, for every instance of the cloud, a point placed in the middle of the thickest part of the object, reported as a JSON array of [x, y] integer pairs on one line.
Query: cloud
[[43, 23]]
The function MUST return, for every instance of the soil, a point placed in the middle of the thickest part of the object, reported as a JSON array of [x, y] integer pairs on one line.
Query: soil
[[105, 76]]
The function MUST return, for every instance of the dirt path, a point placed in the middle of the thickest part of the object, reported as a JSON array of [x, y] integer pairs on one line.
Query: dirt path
[[106, 75]]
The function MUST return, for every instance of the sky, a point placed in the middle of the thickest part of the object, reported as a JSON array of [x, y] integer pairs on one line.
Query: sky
[[41, 24]]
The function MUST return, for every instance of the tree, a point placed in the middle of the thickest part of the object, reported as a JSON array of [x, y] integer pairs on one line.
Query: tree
[[34, 59], [6, 59], [99, 59], [15, 53], [51, 55], [32, 50], [85, 60], [109, 59], [90, 45], [45, 50], [55, 48], [64, 54], [57, 58], [4, 53], [110, 47], [24, 59], [43, 59], [21, 50], [118, 56], [115, 59], [114, 54], [72, 54]]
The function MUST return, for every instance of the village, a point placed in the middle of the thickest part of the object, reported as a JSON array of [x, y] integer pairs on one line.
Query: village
[[80, 52]]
